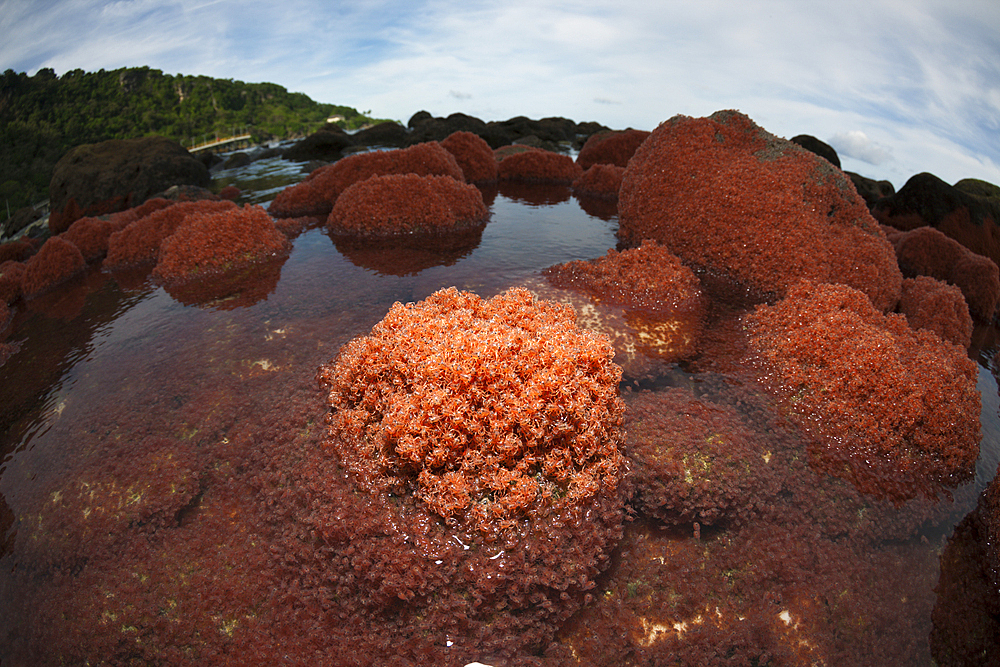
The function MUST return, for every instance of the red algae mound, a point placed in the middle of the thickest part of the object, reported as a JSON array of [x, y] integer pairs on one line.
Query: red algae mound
[[936, 306], [473, 155], [539, 166], [697, 462], [661, 297], [614, 147], [404, 204], [316, 195], [726, 196], [893, 410], [600, 180], [485, 439], [139, 242], [57, 261], [213, 243], [926, 251]]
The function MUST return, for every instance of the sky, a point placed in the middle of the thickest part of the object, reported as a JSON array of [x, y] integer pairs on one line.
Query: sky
[[897, 87]]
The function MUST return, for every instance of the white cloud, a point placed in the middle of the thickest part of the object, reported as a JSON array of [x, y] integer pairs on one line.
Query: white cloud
[[856, 144], [902, 71]]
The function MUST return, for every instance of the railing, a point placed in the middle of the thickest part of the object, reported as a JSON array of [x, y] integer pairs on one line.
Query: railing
[[218, 142]]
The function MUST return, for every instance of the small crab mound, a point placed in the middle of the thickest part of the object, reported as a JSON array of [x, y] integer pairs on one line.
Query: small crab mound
[[402, 204], [661, 297], [600, 180], [473, 155], [57, 261], [316, 195], [936, 306], [893, 410], [209, 244], [697, 461], [614, 147], [926, 251], [539, 166], [139, 241], [487, 411]]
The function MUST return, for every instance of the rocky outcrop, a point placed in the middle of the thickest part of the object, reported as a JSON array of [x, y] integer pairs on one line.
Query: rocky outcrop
[[327, 144], [387, 134], [111, 176], [820, 148], [926, 200], [730, 198], [870, 189]]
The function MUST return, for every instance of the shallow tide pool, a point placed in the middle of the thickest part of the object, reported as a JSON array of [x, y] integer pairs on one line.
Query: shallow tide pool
[[147, 444]]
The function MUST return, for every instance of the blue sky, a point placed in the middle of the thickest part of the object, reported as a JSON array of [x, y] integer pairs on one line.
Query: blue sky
[[896, 86]]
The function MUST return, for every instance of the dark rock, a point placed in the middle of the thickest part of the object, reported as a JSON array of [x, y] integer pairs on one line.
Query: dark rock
[[268, 153], [383, 134], [418, 118], [236, 160], [327, 143], [870, 189], [974, 186], [820, 148], [186, 193], [437, 129], [927, 200], [208, 158], [21, 219], [552, 131], [94, 179]]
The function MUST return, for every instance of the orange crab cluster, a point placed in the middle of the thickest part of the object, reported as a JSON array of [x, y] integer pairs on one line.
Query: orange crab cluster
[[212, 243], [661, 297], [612, 147], [928, 251], [139, 241], [694, 461], [56, 261], [485, 410], [891, 409], [403, 204], [600, 180], [316, 195], [473, 155], [538, 166], [726, 196], [936, 306]]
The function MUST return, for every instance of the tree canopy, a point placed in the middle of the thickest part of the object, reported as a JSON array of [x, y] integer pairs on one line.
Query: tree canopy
[[44, 116]]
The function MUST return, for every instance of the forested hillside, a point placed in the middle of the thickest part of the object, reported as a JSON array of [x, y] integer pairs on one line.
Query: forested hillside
[[43, 116]]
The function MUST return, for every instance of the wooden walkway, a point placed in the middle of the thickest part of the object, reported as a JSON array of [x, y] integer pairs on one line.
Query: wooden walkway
[[218, 142]]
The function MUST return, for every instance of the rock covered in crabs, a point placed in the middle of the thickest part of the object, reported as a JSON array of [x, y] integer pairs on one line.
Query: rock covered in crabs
[[484, 410], [483, 443]]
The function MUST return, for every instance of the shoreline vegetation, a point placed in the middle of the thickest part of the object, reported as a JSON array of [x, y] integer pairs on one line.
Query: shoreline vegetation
[[45, 115]]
